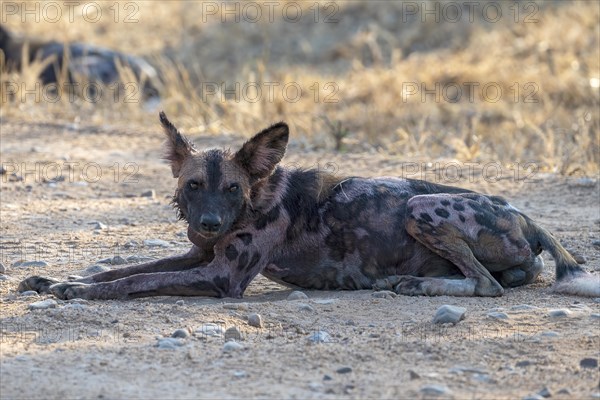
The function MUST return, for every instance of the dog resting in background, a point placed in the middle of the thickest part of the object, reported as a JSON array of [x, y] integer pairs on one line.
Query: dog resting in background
[[84, 63], [306, 228]]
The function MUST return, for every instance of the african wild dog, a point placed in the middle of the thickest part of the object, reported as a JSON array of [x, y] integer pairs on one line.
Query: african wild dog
[[309, 229], [85, 63]]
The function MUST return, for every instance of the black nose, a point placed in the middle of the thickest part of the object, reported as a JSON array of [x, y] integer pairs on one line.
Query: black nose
[[210, 222]]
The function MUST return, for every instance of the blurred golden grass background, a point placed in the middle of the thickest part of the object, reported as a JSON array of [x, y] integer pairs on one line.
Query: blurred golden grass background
[[368, 56]]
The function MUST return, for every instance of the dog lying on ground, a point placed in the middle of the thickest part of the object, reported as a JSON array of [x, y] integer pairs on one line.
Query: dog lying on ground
[[85, 63], [306, 228]]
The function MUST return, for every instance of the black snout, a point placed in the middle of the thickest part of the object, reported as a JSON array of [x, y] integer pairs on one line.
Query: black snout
[[210, 222]]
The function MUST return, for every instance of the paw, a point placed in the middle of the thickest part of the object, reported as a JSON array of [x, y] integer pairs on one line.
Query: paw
[[38, 283], [409, 286], [387, 283], [513, 277], [487, 288], [69, 290]]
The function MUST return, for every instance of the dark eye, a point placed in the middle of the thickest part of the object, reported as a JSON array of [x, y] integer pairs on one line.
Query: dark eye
[[193, 185], [234, 187]]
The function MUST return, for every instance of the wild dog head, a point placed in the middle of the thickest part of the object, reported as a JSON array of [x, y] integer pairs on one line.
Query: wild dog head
[[214, 186]]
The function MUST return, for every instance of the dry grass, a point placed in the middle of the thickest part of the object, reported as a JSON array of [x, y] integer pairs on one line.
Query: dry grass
[[368, 60]]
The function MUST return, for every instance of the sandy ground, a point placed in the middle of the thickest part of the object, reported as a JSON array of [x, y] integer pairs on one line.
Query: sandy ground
[[379, 348]]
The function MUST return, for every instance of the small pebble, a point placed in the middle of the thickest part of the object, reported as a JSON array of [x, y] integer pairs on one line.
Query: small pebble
[[533, 397], [523, 363], [559, 312], [240, 374], [550, 334], [24, 264], [169, 343], [156, 243], [413, 375], [97, 225], [233, 333], [384, 294], [327, 377], [305, 307], [434, 390], [118, 260], [77, 300], [94, 269], [210, 330], [459, 369], [498, 315], [4, 278], [343, 370], [138, 259], [297, 295], [180, 302], [232, 346], [148, 193], [589, 363], [29, 293], [79, 183], [319, 337], [584, 182], [524, 307], [180, 333], [236, 306], [255, 320], [449, 314], [595, 316], [596, 243], [43, 305], [545, 392], [564, 391]]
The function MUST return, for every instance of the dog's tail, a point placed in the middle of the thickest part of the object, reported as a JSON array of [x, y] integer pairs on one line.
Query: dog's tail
[[570, 277]]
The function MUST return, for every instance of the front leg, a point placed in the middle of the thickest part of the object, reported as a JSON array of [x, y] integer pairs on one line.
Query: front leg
[[235, 264], [201, 281], [40, 284], [193, 258]]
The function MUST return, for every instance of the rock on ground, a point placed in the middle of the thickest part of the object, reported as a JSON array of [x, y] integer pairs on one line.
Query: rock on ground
[[449, 314], [43, 304], [297, 295]]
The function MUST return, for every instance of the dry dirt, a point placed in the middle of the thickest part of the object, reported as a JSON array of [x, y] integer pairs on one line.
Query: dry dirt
[[107, 349]]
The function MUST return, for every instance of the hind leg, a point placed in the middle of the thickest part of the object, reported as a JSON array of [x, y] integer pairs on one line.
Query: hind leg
[[469, 230], [522, 274], [446, 241]]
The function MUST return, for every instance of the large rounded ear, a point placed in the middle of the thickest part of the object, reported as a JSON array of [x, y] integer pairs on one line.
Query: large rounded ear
[[259, 155], [178, 147]]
